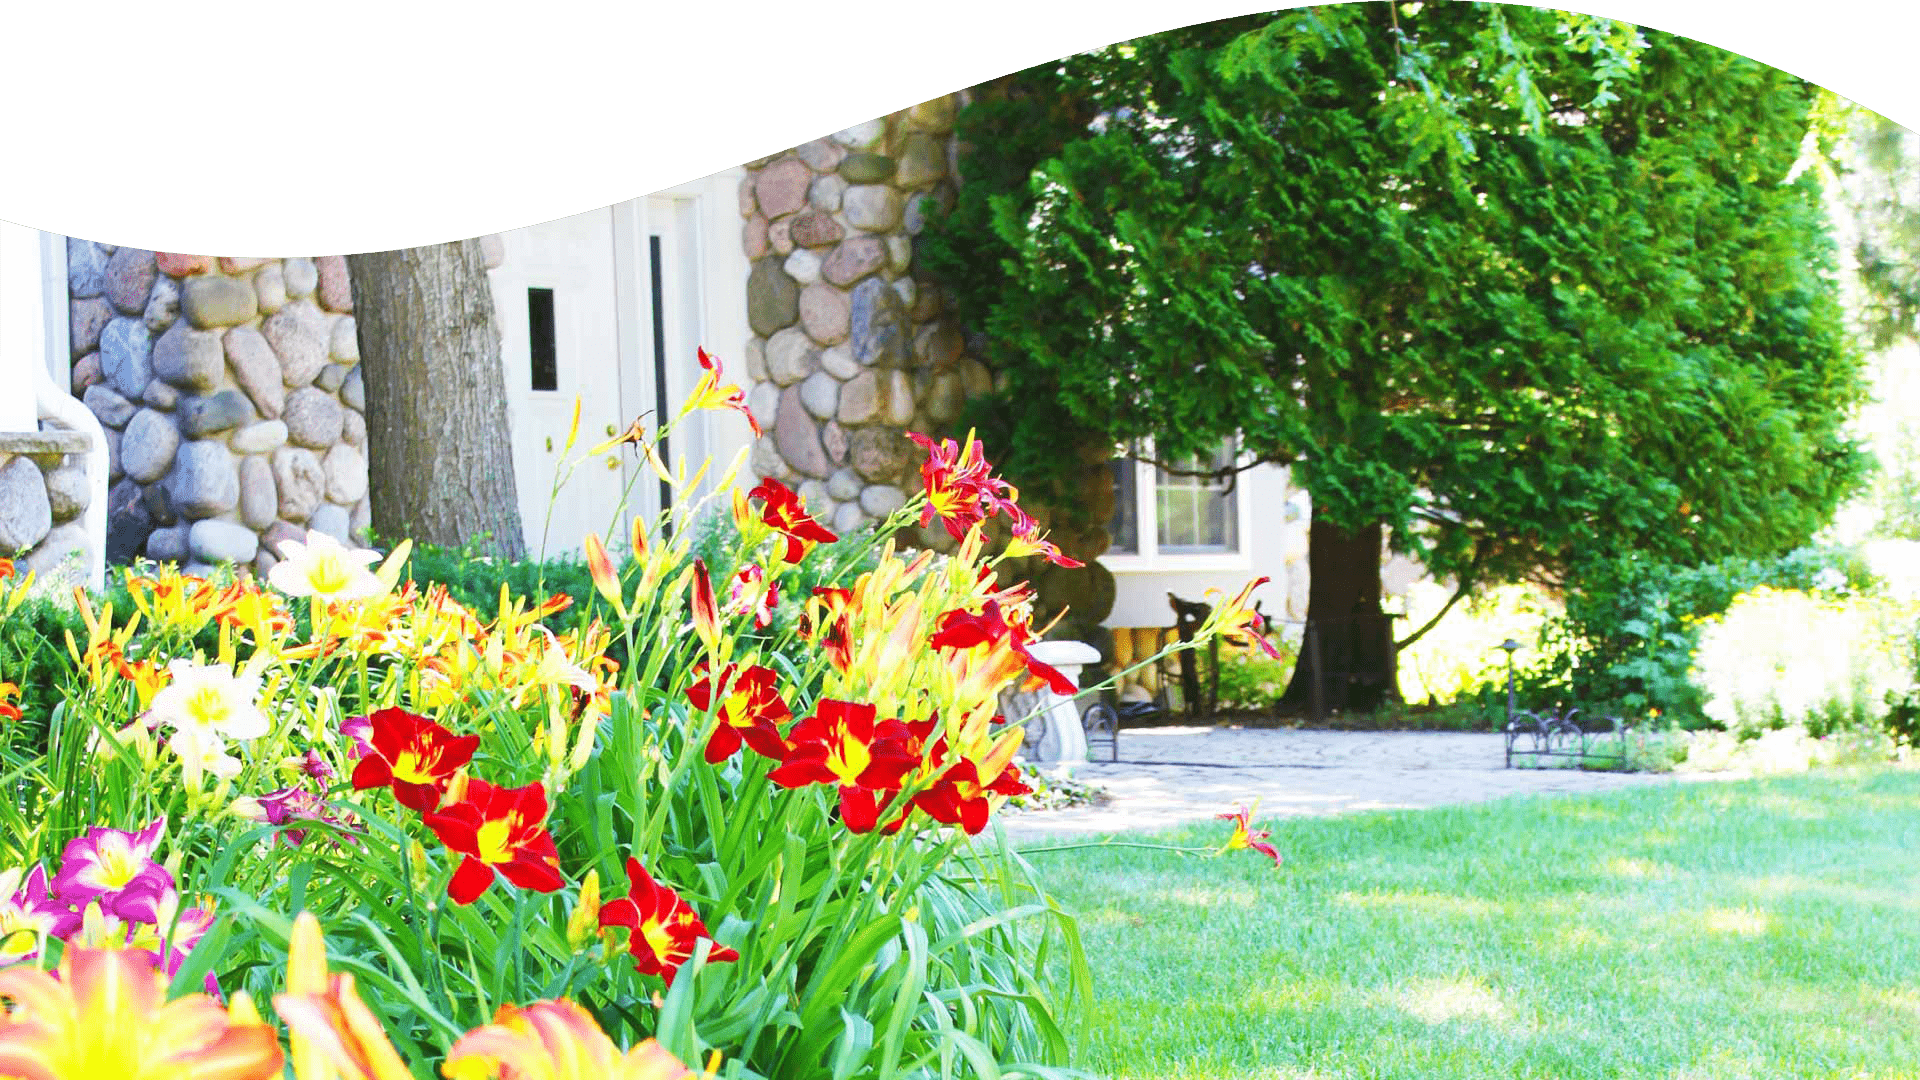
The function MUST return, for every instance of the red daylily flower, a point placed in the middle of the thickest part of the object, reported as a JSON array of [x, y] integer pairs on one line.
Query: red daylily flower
[[1245, 836], [749, 710], [498, 830], [784, 511], [961, 490], [842, 744], [827, 622], [959, 798], [664, 926], [994, 628], [1241, 623], [414, 754]]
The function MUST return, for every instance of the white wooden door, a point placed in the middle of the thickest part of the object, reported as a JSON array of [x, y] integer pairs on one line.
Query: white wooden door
[[557, 296]]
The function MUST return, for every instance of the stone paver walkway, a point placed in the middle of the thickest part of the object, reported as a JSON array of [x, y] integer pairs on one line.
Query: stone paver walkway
[[1175, 775]]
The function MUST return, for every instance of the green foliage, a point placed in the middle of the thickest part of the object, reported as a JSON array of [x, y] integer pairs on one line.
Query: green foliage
[[1778, 658], [1252, 680], [1517, 284]]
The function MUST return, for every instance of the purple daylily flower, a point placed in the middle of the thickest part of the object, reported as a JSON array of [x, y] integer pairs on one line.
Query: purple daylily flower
[[28, 914], [360, 730], [316, 767], [115, 868]]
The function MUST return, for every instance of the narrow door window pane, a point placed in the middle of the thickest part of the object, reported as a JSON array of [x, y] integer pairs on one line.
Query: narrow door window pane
[[656, 267], [541, 346], [1125, 524]]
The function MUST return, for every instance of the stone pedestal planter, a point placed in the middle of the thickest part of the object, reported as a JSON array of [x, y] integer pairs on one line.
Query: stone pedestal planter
[[1055, 740]]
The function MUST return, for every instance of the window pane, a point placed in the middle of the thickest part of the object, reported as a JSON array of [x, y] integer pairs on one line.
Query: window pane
[[541, 346], [1124, 526], [1195, 513]]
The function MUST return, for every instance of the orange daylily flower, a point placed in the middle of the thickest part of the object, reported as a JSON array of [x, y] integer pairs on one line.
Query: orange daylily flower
[[106, 1015], [331, 1031], [711, 393], [9, 691], [1245, 836], [1234, 620], [556, 1040]]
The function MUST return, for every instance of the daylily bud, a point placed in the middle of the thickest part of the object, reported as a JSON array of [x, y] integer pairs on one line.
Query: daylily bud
[[605, 578], [417, 870], [584, 924], [706, 614]]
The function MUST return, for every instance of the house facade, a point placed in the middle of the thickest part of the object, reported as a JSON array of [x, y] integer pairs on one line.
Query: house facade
[[224, 403]]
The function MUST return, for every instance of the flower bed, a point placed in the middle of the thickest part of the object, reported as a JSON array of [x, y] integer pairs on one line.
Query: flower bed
[[748, 842]]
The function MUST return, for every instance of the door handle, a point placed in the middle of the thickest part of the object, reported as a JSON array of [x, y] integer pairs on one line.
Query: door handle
[[549, 444], [610, 432]]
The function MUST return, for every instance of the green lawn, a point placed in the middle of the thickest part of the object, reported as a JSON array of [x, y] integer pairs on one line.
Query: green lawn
[[1754, 929]]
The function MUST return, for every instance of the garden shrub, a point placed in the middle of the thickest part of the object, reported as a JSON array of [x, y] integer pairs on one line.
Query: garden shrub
[[1780, 658], [1251, 680]]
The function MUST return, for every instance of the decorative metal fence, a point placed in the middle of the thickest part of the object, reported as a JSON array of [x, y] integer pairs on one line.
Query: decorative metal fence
[[1542, 741]]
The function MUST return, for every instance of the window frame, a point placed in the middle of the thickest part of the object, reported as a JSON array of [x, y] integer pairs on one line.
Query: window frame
[[1150, 558]]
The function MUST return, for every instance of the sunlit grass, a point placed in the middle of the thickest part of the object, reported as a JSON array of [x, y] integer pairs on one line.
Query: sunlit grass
[[1765, 928]]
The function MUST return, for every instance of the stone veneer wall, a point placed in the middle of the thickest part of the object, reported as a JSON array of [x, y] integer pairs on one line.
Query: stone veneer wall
[[852, 348], [231, 398], [43, 495]]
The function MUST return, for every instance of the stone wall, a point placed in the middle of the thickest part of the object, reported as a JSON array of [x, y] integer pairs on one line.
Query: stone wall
[[851, 347], [44, 494], [231, 396]]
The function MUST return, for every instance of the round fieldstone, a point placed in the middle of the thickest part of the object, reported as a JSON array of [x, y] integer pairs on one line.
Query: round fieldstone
[[946, 398], [781, 188], [86, 269], [360, 521], [343, 341], [763, 399], [838, 361], [85, 319], [61, 560], [939, 345], [821, 155], [923, 160], [204, 482], [331, 377], [896, 397], [239, 264], [820, 393], [813, 495], [108, 406], [190, 359], [301, 482], [935, 115], [755, 352], [270, 288], [128, 523], [210, 415], [333, 521], [86, 372], [261, 438], [773, 298], [126, 356], [878, 327], [163, 305], [314, 418], [222, 542], [847, 519], [68, 492], [899, 253], [845, 485], [298, 334], [873, 207], [161, 395], [213, 300], [824, 313], [880, 500], [866, 168], [354, 391], [753, 237], [834, 438], [168, 544], [780, 237], [803, 266], [346, 473], [920, 208], [880, 454], [798, 437], [815, 229], [301, 277], [26, 515], [113, 453], [259, 498], [766, 461], [907, 291], [826, 193], [744, 194], [863, 134], [860, 398], [278, 534], [854, 259], [791, 356], [335, 291], [129, 276], [177, 265], [354, 431], [493, 251], [256, 369]]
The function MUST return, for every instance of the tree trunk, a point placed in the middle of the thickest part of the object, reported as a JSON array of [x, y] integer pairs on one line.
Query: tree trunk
[[440, 459], [1352, 639]]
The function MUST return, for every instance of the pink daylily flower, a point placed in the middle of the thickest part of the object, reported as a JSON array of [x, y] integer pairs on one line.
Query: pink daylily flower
[[28, 914], [117, 869]]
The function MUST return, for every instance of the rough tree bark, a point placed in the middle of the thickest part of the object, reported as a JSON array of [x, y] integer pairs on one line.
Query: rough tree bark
[[440, 459], [1354, 638]]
